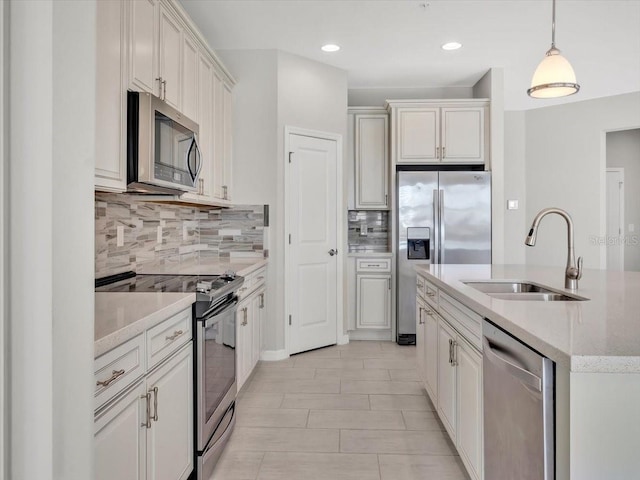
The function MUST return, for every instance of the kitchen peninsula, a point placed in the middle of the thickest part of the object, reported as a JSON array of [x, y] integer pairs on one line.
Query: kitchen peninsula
[[594, 344]]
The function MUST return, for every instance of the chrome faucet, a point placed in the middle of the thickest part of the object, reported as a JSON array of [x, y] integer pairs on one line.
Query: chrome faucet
[[573, 273]]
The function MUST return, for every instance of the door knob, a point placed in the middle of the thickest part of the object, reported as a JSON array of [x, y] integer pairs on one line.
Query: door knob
[[333, 252]]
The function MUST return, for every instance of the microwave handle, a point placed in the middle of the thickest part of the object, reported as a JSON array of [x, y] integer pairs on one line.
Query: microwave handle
[[194, 148]]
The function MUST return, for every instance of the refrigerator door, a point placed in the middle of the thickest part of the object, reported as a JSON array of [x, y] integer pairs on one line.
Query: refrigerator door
[[417, 216], [465, 211]]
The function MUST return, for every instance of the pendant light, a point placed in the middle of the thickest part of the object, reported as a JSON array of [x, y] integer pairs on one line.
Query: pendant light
[[554, 76]]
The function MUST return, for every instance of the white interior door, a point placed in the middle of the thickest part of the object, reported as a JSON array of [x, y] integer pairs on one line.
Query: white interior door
[[312, 225], [615, 219]]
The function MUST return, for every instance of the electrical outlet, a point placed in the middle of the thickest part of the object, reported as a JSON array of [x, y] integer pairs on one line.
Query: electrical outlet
[[119, 236], [364, 229]]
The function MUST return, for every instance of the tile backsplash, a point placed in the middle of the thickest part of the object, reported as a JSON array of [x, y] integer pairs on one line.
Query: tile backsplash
[[161, 233], [377, 237]]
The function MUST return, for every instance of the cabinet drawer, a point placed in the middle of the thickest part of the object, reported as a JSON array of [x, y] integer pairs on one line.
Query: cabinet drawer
[[373, 265], [117, 369], [259, 278], [466, 321], [252, 281], [431, 294], [167, 337]]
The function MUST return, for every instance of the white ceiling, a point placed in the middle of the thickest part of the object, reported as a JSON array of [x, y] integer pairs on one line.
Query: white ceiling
[[397, 43]]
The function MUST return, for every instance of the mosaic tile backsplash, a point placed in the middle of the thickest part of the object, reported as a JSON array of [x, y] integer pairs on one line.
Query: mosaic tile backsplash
[[161, 234], [377, 238]]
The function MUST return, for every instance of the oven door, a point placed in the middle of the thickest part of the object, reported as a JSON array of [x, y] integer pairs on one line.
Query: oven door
[[216, 368]]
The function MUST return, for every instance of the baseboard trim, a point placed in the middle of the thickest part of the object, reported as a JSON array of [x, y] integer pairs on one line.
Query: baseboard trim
[[273, 355], [343, 340], [379, 335]]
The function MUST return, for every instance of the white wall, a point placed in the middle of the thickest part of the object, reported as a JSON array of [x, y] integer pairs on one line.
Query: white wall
[[565, 163], [491, 86], [276, 89], [623, 150], [515, 186], [52, 82], [376, 97]]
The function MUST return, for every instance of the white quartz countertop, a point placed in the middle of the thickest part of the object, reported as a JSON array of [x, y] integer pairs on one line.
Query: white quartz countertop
[[241, 266], [598, 335], [370, 254], [120, 316]]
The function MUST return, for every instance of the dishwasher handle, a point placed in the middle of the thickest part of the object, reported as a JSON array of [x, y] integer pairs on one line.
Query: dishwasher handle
[[524, 376]]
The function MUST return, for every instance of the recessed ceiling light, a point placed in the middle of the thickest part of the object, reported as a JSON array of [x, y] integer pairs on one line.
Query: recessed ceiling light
[[330, 47], [451, 46]]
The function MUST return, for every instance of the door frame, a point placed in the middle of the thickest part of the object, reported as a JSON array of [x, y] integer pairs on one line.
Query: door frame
[[619, 170], [4, 229], [341, 337]]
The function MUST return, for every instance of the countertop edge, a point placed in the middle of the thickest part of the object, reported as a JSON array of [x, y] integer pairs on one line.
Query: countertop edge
[[117, 338], [249, 269], [370, 254]]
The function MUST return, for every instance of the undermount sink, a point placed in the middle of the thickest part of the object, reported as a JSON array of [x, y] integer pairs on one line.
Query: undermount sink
[[527, 291]]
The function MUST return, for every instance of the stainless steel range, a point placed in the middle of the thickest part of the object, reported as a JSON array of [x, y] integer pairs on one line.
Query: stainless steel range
[[214, 327]]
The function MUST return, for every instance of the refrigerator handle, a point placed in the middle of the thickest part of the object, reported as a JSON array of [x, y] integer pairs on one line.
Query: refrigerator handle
[[441, 225], [436, 229]]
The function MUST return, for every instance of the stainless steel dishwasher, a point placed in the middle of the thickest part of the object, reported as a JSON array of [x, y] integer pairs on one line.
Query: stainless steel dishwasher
[[518, 395]]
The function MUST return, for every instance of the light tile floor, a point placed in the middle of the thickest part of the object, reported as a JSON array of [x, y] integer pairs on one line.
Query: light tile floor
[[351, 412]]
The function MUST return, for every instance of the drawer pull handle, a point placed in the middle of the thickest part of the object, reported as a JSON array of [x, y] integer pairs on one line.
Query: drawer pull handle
[[175, 335], [373, 265], [260, 278], [242, 289], [429, 312], [114, 375], [431, 294]]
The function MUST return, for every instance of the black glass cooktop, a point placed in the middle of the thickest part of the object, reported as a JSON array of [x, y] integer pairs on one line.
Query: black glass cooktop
[[160, 283]]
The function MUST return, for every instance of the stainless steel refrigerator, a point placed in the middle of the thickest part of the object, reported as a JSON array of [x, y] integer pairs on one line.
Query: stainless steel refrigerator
[[443, 217]]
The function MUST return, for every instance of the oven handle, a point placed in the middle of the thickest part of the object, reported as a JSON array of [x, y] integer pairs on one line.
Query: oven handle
[[215, 317]]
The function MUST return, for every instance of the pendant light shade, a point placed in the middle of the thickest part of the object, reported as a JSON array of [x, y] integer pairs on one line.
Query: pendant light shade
[[554, 76]]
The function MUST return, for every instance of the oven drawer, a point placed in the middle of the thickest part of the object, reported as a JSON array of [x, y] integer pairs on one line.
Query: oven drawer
[[117, 369], [167, 337]]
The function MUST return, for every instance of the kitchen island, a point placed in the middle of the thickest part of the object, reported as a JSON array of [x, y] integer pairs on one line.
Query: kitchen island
[[594, 344]]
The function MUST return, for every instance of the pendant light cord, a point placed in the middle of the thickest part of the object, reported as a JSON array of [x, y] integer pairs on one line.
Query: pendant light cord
[[553, 26]]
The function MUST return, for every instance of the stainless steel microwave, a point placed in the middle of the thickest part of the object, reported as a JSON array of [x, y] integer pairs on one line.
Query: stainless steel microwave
[[163, 156]]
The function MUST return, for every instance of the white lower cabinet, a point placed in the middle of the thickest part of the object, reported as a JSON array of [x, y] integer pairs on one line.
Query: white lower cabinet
[[170, 437], [144, 430], [249, 320], [120, 441], [469, 388], [446, 378], [431, 354], [373, 299], [451, 369]]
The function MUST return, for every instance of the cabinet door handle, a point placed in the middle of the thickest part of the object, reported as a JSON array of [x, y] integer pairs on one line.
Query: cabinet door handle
[[159, 80], [389, 283], [454, 360], [224, 191], [420, 316], [437, 153], [147, 398], [386, 199], [444, 155], [450, 352], [114, 375], [262, 300], [175, 335], [155, 404], [201, 186], [164, 90]]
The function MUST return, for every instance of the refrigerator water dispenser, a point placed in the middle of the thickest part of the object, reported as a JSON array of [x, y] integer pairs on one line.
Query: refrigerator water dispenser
[[418, 243]]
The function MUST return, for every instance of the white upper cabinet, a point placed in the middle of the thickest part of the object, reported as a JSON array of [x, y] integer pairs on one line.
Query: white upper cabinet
[[372, 161], [463, 134], [170, 58], [222, 157], [142, 51], [110, 168], [189, 89], [442, 131], [418, 131]]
